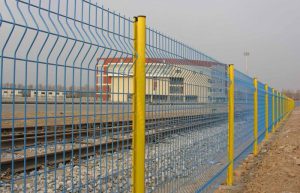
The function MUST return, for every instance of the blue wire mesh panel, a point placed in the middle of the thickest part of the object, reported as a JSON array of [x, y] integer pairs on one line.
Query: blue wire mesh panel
[[186, 99], [261, 111], [65, 113], [270, 107], [282, 106], [243, 116]]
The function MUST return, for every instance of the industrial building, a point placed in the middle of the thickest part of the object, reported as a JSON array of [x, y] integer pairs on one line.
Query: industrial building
[[167, 80], [44, 93], [11, 93]]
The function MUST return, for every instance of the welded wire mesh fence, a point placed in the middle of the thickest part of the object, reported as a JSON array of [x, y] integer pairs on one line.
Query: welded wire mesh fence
[[270, 110], [186, 92], [65, 116], [261, 111], [243, 107], [68, 118]]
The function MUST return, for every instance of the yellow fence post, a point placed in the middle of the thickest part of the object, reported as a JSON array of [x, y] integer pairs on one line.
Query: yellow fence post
[[277, 107], [288, 104], [266, 112], [230, 125], [280, 106], [133, 95], [283, 106], [282, 102], [255, 118], [138, 171], [273, 111]]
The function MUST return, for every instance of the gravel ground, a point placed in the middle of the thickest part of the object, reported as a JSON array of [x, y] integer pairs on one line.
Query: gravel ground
[[170, 160], [276, 169], [52, 147]]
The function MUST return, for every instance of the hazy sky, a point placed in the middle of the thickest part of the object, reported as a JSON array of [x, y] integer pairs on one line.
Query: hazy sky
[[269, 29]]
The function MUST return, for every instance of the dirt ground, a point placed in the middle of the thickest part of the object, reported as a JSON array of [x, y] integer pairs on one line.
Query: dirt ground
[[277, 166]]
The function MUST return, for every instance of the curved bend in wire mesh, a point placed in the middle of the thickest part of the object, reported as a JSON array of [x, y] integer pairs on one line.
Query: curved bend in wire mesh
[[65, 123], [66, 81]]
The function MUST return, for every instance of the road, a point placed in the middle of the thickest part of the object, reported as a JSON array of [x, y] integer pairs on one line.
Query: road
[[68, 113], [104, 107]]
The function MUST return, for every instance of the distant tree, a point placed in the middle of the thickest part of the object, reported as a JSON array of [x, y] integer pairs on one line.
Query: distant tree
[[30, 86], [20, 86], [6, 85], [60, 88], [51, 87], [69, 93], [292, 94], [41, 87]]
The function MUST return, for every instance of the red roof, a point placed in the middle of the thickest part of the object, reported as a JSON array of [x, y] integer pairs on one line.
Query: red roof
[[162, 60]]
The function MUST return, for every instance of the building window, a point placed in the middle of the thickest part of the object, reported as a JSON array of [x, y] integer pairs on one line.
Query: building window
[[157, 98], [154, 84], [176, 81], [176, 89], [176, 98], [129, 97], [148, 98], [191, 98], [178, 71], [209, 98]]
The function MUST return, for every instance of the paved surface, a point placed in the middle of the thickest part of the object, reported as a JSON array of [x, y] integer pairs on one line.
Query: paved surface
[[277, 167], [104, 107]]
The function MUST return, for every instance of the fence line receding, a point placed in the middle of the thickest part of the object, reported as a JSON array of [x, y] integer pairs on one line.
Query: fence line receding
[[93, 101]]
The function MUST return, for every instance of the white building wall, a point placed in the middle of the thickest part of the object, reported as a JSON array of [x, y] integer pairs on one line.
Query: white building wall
[[194, 85], [10, 93], [43, 93]]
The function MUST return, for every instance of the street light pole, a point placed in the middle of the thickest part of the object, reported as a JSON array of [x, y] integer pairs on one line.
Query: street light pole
[[246, 54]]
